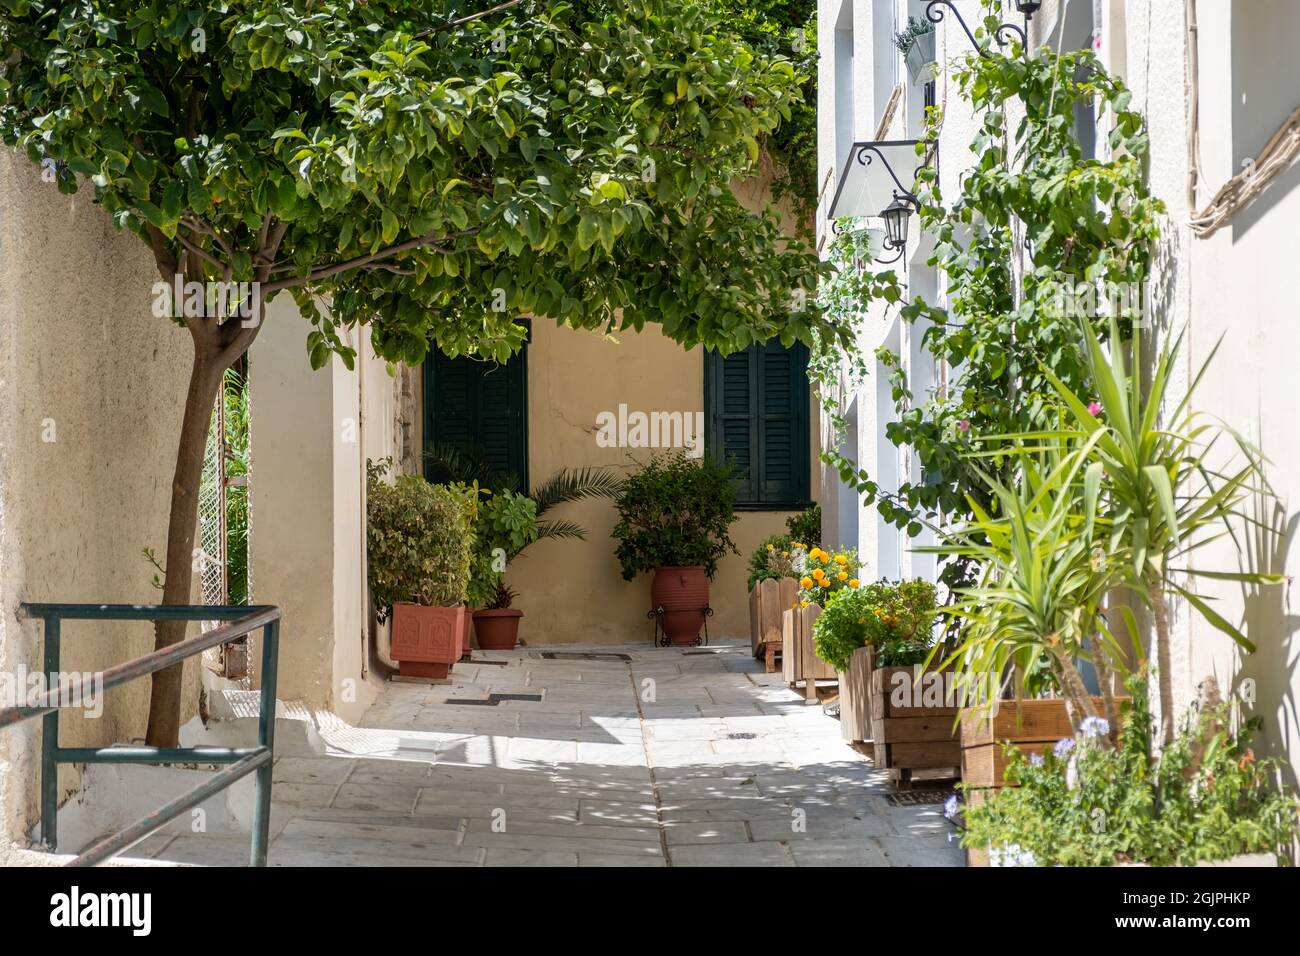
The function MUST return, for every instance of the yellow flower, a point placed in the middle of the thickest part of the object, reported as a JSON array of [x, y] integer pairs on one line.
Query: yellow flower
[[796, 545], [841, 560], [843, 575], [854, 582], [803, 603], [805, 582], [771, 547]]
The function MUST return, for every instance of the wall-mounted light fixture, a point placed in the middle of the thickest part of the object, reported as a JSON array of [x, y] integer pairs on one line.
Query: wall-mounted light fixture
[[870, 187], [1003, 34]]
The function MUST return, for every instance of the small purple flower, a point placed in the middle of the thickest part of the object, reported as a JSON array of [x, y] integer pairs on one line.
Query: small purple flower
[[1094, 727], [951, 806], [1094, 408], [1036, 760], [1063, 747], [963, 426]]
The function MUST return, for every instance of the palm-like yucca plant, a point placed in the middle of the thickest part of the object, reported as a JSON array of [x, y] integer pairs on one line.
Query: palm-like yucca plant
[[571, 484], [1161, 494], [1041, 584], [452, 463]]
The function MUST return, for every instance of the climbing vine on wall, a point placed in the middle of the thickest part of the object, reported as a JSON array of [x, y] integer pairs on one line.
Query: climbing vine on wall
[[1039, 234]]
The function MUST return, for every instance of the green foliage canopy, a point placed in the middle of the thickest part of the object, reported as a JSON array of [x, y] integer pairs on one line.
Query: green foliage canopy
[[431, 176]]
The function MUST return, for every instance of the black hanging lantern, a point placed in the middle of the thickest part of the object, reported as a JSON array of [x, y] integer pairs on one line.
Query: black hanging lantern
[[1028, 7], [896, 215]]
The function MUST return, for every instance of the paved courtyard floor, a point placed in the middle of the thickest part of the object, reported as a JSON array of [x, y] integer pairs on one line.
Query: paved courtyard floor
[[644, 757]]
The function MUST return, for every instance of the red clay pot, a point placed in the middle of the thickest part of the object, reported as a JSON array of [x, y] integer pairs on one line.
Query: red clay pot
[[497, 629], [683, 593], [466, 632], [426, 641]]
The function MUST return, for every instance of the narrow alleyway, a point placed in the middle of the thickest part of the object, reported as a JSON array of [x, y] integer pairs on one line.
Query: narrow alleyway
[[644, 756]]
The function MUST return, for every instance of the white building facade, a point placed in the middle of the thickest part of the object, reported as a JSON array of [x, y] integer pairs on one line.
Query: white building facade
[[1218, 83]]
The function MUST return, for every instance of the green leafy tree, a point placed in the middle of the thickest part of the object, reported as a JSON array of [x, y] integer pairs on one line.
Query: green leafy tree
[[429, 169]]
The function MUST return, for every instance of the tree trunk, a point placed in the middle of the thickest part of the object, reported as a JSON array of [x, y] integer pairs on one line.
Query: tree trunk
[[1164, 677], [1078, 702], [205, 382], [1104, 678]]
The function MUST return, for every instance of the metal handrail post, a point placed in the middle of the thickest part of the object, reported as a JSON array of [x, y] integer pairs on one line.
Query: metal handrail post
[[266, 738], [50, 738]]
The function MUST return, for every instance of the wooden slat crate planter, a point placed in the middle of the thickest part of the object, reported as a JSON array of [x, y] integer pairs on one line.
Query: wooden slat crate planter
[[855, 697], [1034, 726], [799, 661], [909, 738], [768, 602]]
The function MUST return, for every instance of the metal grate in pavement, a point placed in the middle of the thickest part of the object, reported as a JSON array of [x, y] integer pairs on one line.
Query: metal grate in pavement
[[575, 656], [918, 798]]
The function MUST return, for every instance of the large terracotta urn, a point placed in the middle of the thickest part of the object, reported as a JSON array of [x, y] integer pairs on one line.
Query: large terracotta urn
[[682, 593]]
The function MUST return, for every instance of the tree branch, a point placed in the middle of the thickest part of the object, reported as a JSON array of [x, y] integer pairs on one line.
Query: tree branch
[[453, 24], [324, 272]]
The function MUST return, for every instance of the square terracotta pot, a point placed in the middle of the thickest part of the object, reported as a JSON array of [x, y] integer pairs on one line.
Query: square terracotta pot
[[428, 640]]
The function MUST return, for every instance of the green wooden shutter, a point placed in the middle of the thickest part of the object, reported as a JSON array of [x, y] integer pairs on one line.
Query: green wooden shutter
[[481, 408], [756, 402]]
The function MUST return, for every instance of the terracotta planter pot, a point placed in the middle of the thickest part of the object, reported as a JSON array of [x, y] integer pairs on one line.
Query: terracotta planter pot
[[466, 632], [683, 594], [426, 641], [497, 630]]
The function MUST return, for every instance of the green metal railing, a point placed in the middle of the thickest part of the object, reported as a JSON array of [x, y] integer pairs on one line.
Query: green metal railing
[[238, 762]]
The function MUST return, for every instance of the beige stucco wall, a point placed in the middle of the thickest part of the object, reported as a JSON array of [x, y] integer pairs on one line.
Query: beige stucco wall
[[309, 441], [1236, 288], [81, 353]]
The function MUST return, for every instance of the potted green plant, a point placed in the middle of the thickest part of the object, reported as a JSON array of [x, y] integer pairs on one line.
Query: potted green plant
[[674, 515], [1205, 799], [878, 637], [916, 43], [505, 524], [496, 623], [420, 539]]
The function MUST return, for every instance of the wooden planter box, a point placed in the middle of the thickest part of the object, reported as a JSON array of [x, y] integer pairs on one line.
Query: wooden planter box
[[855, 697], [768, 602], [910, 735], [1034, 726], [799, 661]]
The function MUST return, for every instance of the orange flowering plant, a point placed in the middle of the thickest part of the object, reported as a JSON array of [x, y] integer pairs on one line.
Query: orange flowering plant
[[822, 573], [897, 619]]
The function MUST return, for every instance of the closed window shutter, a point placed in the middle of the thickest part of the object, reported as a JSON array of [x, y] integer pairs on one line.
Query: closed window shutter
[[479, 407], [782, 438], [737, 437], [757, 402]]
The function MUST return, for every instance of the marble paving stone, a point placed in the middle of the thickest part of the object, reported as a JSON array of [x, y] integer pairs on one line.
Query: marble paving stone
[[726, 766]]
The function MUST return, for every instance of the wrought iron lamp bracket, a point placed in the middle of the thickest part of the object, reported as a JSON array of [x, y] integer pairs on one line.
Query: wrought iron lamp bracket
[[1003, 34]]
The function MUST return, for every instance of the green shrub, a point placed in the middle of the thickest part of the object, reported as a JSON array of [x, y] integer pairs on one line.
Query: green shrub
[[895, 618], [675, 511], [771, 560], [1085, 804], [505, 524], [806, 527], [419, 539]]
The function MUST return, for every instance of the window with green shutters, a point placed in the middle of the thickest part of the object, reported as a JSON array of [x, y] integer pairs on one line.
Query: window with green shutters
[[481, 408], [756, 412]]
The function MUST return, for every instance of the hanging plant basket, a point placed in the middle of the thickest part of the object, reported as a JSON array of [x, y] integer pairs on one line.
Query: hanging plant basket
[[920, 56]]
